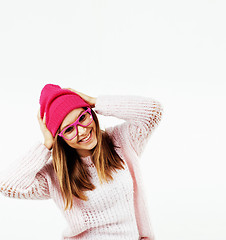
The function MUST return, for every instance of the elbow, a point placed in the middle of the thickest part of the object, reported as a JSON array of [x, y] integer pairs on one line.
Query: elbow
[[158, 111]]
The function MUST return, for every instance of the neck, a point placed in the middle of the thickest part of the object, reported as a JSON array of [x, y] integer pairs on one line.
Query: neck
[[84, 153]]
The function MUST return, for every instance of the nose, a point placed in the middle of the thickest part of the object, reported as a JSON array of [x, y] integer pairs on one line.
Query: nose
[[81, 130]]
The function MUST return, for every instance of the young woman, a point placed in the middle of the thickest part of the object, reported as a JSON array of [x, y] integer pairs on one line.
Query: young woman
[[93, 175]]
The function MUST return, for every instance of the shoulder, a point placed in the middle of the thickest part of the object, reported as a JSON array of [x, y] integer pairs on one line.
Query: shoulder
[[48, 169], [119, 137], [115, 134]]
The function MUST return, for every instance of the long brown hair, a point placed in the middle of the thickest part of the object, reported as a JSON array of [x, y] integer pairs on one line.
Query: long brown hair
[[72, 174]]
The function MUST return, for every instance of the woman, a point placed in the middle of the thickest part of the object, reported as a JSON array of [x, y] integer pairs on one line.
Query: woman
[[94, 175]]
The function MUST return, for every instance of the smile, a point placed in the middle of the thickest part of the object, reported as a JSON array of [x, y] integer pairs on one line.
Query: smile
[[88, 138]]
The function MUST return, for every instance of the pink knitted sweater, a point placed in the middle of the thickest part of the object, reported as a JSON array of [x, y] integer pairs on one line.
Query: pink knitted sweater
[[115, 211]]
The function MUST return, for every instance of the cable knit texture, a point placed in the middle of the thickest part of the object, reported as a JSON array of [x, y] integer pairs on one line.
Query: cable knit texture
[[115, 210]]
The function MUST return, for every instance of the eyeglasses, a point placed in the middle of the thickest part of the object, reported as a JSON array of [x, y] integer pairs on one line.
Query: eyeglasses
[[71, 131]]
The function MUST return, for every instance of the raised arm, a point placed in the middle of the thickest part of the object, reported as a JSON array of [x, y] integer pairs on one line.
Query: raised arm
[[24, 179], [142, 115]]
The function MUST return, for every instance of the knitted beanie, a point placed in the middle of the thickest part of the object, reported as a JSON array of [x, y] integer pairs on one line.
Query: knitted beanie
[[57, 103]]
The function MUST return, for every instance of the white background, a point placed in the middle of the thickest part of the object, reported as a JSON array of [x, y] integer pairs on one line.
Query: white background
[[173, 51]]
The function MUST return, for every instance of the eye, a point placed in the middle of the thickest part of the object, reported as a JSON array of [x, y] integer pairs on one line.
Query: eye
[[70, 129], [82, 117]]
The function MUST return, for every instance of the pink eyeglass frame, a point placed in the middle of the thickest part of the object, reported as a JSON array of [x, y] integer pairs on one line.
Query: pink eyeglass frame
[[75, 124]]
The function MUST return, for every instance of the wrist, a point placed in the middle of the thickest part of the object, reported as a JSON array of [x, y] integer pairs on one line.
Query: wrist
[[48, 145]]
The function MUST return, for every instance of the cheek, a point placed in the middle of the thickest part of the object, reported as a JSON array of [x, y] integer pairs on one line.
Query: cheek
[[94, 125], [72, 143]]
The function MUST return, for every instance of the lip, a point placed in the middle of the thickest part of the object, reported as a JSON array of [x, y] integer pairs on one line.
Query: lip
[[89, 139]]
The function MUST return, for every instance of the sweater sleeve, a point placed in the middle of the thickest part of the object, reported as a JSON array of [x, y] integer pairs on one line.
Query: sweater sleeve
[[142, 115], [24, 179]]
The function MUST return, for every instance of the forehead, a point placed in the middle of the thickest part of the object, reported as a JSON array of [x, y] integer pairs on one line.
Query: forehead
[[71, 117]]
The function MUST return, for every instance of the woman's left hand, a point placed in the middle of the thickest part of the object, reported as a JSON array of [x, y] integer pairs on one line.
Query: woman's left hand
[[90, 100]]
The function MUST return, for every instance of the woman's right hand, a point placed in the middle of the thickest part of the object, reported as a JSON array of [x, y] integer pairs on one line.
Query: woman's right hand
[[48, 137]]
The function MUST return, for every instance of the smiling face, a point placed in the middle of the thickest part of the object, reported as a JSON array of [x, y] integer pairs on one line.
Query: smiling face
[[81, 143]]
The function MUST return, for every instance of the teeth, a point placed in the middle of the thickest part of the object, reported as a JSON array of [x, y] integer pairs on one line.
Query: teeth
[[86, 138]]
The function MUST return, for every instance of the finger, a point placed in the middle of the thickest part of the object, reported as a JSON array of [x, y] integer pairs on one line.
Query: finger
[[72, 90], [69, 89], [44, 118], [38, 115]]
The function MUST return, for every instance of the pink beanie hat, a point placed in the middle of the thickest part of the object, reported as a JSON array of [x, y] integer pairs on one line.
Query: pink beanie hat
[[57, 103]]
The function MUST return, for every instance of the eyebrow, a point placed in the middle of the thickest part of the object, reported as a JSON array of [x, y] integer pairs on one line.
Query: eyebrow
[[74, 121]]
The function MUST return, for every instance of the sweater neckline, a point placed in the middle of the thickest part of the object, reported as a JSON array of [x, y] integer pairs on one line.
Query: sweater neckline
[[86, 157]]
